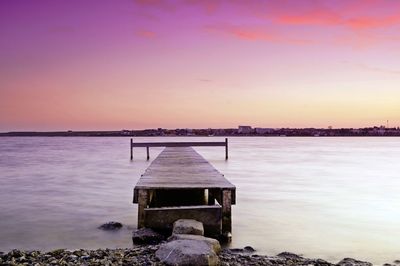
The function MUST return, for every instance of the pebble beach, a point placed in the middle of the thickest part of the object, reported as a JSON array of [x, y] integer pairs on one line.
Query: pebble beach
[[145, 255]]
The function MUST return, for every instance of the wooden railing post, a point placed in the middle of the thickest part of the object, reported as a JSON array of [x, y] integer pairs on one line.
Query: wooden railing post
[[226, 148], [131, 149], [148, 153]]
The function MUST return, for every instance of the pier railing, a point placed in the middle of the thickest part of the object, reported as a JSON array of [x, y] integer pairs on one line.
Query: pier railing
[[179, 144]]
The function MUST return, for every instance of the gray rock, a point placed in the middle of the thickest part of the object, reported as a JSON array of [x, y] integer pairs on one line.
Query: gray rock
[[146, 236], [187, 252], [111, 226], [188, 226], [211, 241], [246, 249], [353, 262], [249, 249], [289, 255]]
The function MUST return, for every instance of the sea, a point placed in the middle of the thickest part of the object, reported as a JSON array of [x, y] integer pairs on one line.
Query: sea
[[321, 197]]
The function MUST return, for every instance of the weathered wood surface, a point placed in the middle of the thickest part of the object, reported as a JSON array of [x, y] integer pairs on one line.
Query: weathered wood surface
[[163, 218], [182, 167]]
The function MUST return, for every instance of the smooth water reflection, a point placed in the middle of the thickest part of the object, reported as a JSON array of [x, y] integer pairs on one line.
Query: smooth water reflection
[[321, 197]]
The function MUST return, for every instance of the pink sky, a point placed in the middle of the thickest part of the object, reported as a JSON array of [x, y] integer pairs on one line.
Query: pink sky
[[109, 65]]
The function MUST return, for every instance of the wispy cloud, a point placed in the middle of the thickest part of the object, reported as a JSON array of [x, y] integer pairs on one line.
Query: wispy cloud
[[255, 33], [353, 14], [379, 69], [146, 34], [357, 23]]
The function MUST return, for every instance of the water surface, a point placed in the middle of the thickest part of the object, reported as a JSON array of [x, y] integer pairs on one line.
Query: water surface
[[321, 197]]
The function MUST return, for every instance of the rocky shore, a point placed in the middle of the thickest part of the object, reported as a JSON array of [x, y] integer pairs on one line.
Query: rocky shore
[[145, 255], [186, 246]]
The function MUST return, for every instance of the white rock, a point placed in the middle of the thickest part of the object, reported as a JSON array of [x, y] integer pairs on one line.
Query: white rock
[[210, 241], [188, 226], [187, 252]]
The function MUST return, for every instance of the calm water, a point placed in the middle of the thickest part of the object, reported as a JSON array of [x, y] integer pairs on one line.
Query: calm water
[[321, 197]]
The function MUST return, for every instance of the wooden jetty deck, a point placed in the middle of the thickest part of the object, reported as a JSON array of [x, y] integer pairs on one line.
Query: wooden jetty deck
[[180, 183]]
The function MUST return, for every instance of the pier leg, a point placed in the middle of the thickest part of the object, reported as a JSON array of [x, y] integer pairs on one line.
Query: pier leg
[[226, 212], [148, 153], [142, 204], [131, 149], [226, 148], [211, 198]]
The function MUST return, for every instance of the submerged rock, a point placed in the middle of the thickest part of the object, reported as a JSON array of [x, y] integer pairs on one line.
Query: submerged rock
[[110, 226], [246, 249], [146, 236], [188, 226], [249, 249], [187, 252]]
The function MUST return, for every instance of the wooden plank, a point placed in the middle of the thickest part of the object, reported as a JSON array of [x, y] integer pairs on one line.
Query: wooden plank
[[176, 144], [163, 218], [182, 167]]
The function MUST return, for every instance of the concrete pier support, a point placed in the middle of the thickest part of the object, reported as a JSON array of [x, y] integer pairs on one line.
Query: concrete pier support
[[226, 211], [143, 199]]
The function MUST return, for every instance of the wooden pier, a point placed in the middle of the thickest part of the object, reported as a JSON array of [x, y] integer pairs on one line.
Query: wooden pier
[[181, 184]]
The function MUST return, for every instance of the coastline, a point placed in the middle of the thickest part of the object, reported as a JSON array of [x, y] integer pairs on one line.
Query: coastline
[[145, 255]]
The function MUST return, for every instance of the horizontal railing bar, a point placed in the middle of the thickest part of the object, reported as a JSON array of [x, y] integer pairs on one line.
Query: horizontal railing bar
[[176, 144]]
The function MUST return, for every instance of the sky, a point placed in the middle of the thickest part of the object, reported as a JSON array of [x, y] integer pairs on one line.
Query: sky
[[135, 64]]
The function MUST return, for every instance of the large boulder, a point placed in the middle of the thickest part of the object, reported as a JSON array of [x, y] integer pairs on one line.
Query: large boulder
[[187, 252], [188, 226], [210, 241], [146, 236]]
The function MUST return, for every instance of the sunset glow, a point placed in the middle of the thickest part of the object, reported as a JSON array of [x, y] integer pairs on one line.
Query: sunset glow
[[109, 65]]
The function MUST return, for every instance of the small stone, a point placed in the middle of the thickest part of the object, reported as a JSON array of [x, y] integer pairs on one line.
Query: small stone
[[188, 226], [110, 226], [56, 252], [249, 249], [146, 236]]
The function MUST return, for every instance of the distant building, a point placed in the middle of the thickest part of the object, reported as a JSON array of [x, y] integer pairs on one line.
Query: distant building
[[126, 132], [260, 130], [244, 129]]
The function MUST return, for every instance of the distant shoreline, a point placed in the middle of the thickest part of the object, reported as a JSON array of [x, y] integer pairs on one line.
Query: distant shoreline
[[241, 131]]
